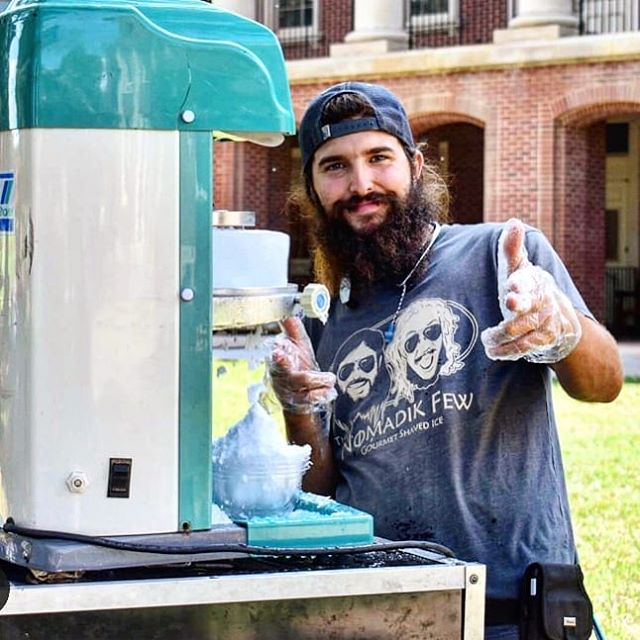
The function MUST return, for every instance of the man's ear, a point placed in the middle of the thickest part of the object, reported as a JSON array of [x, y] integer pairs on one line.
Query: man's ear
[[418, 163]]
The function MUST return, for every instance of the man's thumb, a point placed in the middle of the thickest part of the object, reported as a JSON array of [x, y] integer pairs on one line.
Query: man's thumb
[[512, 250], [294, 328], [512, 254]]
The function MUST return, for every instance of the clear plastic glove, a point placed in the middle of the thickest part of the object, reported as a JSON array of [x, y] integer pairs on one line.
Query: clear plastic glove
[[296, 379], [540, 323]]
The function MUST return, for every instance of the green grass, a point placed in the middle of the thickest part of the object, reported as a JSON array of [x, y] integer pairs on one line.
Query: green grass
[[231, 378], [601, 449], [230, 402]]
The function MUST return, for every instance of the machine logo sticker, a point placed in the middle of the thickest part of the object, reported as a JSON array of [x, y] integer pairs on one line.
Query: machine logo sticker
[[7, 217]]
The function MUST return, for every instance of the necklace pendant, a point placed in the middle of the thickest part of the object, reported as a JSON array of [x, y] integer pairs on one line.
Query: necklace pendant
[[388, 332], [345, 290]]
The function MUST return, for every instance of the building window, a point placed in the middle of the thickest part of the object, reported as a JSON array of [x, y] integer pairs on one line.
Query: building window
[[617, 137], [432, 14], [295, 19], [295, 14]]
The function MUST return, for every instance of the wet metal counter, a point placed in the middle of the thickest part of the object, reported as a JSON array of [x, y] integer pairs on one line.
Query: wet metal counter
[[377, 595]]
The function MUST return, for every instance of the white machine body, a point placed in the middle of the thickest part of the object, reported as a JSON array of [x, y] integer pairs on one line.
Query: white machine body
[[89, 329]]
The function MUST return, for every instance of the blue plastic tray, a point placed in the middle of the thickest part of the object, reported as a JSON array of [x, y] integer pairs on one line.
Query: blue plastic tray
[[316, 521]]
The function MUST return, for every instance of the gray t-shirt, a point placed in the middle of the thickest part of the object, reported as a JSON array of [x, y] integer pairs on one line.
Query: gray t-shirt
[[434, 439]]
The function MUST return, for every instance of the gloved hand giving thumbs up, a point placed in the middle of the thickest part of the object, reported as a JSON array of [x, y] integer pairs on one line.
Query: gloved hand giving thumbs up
[[540, 323]]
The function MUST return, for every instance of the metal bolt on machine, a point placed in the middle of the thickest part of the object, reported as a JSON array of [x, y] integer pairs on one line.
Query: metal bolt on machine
[[114, 288]]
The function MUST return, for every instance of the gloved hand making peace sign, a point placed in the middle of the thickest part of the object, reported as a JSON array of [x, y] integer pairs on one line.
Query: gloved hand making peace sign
[[540, 323]]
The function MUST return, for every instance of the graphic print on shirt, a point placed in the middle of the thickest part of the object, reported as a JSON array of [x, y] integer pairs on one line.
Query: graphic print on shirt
[[363, 386], [383, 390]]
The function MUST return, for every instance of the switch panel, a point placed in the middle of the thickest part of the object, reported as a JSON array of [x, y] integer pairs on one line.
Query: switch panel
[[119, 477]]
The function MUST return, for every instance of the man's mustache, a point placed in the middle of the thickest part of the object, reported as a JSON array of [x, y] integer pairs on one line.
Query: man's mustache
[[352, 202]]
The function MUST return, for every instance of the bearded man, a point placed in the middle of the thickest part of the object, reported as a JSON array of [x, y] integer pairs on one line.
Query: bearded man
[[471, 459]]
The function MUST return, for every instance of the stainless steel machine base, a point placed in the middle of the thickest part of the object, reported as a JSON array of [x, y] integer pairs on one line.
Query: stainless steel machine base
[[268, 599]]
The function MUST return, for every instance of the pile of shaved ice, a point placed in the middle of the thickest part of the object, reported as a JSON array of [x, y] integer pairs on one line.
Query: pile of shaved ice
[[255, 471]]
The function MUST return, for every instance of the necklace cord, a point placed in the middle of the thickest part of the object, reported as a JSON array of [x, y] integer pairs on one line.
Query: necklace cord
[[390, 330]]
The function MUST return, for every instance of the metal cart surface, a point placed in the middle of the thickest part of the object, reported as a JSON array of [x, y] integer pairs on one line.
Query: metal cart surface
[[408, 594]]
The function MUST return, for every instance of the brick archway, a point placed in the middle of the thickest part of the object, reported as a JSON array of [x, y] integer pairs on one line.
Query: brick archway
[[439, 110], [575, 195], [476, 111], [426, 121], [590, 99], [455, 144]]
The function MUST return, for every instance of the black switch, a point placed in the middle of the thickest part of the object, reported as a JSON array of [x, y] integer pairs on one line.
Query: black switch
[[119, 478]]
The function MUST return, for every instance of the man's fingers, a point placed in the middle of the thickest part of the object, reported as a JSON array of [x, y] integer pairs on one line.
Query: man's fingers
[[281, 361], [528, 289], [292, 350], [295, 378], [518, 302], [523, 324], [297, 334], [293, 327], [513, 338], [305, 381], [512, 244], [516, 348]]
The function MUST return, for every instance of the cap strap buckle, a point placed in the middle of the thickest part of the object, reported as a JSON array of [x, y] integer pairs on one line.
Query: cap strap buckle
[[348, 126]]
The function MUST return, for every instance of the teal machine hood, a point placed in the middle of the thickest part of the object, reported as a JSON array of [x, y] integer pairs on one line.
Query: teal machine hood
[[140, 64]]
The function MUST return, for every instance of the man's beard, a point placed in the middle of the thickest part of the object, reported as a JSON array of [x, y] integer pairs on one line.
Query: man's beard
[[385, 254]]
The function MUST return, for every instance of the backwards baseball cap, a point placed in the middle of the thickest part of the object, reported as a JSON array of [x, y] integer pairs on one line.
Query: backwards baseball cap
[[388, 115]]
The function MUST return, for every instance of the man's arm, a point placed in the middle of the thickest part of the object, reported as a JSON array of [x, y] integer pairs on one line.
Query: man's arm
[[593, 370], [308, 429], [305, 393]]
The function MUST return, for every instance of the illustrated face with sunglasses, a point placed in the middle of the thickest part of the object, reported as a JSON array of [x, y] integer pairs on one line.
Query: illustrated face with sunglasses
[[358, 371], [422, 346]]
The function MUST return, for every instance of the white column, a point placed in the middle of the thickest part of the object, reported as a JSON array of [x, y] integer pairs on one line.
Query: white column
[[378, 28], [539, 20], [246, 8], [538, 13]]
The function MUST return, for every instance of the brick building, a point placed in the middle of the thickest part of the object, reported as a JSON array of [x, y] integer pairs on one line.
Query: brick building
[[531, 107]]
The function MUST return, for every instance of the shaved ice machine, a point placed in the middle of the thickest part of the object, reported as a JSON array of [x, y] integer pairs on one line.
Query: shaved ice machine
[[115, 276], [109, 115]]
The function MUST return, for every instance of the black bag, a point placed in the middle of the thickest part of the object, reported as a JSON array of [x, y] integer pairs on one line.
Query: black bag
[[555, 604]]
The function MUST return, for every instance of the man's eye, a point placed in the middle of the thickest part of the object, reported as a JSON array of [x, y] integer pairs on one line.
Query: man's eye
[[334, 166], [379, 157]]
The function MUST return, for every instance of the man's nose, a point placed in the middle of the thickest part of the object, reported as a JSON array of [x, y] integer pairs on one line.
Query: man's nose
[[361, 179]]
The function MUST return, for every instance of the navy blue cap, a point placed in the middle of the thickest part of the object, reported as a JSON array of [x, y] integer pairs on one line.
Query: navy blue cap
[[389, 115]]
